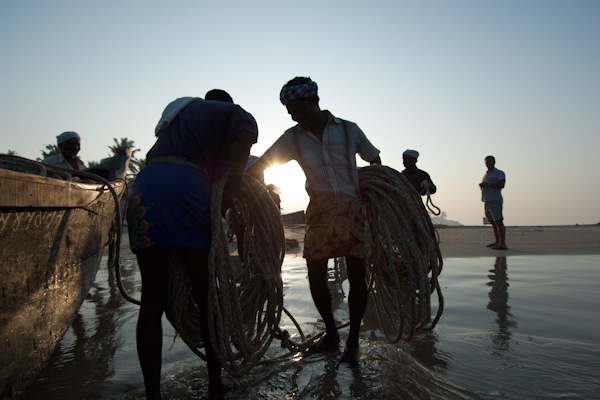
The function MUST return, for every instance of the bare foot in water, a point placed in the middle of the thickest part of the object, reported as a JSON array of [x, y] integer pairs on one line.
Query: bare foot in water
[[350, 355], [327, 342], [219, 393]]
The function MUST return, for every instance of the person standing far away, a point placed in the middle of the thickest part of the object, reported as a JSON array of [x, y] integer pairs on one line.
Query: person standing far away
[[336, 219], [69, 144], [419, 179], [491, 186], [197, 142]]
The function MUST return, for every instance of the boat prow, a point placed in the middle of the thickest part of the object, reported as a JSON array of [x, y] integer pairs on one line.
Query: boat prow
[[52, 234]]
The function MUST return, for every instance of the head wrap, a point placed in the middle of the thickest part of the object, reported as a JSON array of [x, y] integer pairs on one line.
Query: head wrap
[[63, 137], [291, 93], [411, 153]]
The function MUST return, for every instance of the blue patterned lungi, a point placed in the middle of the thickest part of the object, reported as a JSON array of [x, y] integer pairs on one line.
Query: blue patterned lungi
[[169, 206]]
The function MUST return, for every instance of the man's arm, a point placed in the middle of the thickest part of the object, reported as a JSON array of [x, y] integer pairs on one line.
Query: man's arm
[[498, 185], [426, 179], [280, 152], [258, 167]]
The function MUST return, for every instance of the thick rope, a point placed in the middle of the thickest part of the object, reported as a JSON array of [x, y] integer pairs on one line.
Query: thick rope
[[406, 257], [244, 310]]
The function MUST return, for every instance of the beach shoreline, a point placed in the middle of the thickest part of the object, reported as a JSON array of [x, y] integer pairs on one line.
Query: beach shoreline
[[471, 241]]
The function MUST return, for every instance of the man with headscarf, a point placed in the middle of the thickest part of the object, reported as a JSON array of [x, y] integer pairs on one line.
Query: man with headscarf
[[69, 144], [419, 179], [336, 219]]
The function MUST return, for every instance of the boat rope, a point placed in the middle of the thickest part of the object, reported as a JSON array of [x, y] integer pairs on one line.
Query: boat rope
[[430, 204], [20, 164]]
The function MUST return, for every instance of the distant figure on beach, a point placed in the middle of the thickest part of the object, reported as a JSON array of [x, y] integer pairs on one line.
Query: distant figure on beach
[[271, 188], [418, 178], [491, 186], [69, 144], [197, 142], [336, 219]]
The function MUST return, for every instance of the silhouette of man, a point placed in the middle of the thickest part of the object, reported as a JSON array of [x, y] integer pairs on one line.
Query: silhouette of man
[[491, 186], [336, 219]]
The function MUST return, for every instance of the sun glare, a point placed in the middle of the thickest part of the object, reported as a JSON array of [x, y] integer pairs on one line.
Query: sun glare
[[290, 179]]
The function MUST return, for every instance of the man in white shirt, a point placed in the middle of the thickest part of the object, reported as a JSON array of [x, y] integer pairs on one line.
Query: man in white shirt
[[69, 144], [336, 218], [491, 185]]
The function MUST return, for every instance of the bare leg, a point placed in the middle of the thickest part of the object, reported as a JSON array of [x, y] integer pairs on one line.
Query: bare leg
[[197, 263], [500, 235], [319, 288], [153, 268], [357, 303]]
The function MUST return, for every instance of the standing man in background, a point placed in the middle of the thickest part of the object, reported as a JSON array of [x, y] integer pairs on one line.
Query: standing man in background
[[491, 185], [419, 179], [69, 144], [336, 218]]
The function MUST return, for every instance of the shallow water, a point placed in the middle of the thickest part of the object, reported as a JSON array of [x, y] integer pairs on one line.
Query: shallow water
[[514, 327]]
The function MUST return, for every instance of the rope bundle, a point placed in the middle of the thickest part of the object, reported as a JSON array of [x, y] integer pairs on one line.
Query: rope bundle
[[244, 310], [406, 256]]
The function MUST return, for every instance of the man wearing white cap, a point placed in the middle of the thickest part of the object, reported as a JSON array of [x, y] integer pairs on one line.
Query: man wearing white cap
[[419, 179], [69, 144]]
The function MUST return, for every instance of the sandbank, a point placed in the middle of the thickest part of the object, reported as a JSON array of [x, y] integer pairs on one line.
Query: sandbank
[[471, 241]]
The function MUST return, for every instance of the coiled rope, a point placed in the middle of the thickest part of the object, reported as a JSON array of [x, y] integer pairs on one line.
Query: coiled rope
[[406, 257], [247, 307]]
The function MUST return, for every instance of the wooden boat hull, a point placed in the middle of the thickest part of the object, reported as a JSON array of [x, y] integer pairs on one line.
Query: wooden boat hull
[[52, 234]]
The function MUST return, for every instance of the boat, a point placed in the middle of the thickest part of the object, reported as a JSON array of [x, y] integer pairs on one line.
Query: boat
[[54, 225]]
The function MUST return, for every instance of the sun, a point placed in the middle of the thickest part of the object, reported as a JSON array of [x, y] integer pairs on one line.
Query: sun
[[290, 179]]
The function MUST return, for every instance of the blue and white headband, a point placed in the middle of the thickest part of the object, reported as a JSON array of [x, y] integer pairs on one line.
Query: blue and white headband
[[291, 93]]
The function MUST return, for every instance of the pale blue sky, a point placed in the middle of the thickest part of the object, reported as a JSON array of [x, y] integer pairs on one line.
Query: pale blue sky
[[455, 80]]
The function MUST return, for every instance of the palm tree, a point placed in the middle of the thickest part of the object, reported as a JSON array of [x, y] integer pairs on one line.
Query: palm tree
[[52, 150], [11, 153], [135, 165]]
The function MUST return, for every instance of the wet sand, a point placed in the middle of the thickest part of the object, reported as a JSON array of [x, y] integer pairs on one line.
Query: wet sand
[[471, 241]]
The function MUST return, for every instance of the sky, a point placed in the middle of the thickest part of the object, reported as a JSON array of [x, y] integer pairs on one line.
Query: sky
[[454, 80]]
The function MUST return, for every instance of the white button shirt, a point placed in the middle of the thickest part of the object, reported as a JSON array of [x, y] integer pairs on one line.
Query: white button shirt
[[329, 166]]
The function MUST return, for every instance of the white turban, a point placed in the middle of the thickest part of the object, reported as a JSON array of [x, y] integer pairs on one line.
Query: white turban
[[411, 153], [63, 137]]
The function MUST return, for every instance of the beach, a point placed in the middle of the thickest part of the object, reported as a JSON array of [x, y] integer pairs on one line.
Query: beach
[[471, 241]]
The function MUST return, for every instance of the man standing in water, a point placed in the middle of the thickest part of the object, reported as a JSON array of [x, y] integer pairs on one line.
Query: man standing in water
[[419, 179], [169, 213], [491, 185], [336, 218]]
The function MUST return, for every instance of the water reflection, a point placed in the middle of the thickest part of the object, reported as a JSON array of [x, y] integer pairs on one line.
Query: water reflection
[[498, 303], [88, 349]]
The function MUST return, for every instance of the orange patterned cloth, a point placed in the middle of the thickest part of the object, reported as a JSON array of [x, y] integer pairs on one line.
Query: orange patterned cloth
[[336, 230]]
